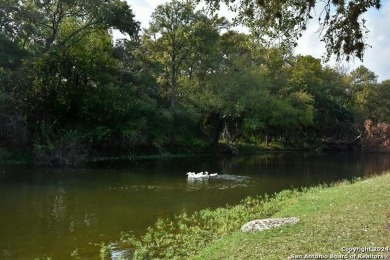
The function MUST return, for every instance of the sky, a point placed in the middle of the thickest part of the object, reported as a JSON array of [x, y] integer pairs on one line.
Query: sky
[[376, 58]]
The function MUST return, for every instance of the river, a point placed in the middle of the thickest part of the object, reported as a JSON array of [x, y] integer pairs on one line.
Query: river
[[50, 212]]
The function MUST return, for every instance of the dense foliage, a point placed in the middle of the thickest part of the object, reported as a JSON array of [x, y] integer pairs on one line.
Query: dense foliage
[[186, 84]]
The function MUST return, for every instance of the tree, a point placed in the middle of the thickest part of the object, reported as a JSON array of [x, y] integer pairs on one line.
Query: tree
[[175, 38], [362, 85], [220, 102], [333, 120], [379, 102], [168, 39], [66, 82], [241, 101], [36, 25], [205, 57], [340, 22]]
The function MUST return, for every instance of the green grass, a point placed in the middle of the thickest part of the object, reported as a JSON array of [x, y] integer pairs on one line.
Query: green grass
[[345, 215]]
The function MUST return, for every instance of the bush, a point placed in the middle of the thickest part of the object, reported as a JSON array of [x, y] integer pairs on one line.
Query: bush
[[68, 149], [4, 155], [377, 137], [13, 131]]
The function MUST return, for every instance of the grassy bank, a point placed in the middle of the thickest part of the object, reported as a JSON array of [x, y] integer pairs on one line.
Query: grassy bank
[[343, 215], [346, 215]]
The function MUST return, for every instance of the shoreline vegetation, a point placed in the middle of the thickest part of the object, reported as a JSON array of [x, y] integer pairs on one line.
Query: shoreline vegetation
[[366, 145], [220, 150], [374, 139], [28, 158], [333, 218]]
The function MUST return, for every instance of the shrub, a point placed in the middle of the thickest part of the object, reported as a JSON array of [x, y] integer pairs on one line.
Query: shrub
[[377, 136], [4, 155], [68, 149]]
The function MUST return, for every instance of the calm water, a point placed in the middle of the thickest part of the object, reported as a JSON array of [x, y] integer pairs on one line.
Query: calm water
[[51, 212]]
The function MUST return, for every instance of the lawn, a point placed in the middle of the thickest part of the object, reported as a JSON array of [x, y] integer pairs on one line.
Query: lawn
[[333, 221]]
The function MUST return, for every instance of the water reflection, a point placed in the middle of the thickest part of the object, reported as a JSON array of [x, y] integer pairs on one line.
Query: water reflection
[[230, 177], [52, 212], [221, 181], [197, 184], [375, 164]]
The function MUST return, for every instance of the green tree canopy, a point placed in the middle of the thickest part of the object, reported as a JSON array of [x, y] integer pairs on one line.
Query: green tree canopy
[[361, 87], [340, 22], [36, 25]]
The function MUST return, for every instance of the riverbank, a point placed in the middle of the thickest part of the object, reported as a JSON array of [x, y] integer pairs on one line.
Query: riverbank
[[331, 219], [29, 158]]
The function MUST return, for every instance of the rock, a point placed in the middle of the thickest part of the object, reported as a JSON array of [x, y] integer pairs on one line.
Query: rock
[[262, 224]]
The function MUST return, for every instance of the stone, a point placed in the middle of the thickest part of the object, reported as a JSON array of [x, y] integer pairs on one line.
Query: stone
[[263, 224]]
